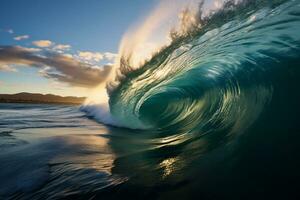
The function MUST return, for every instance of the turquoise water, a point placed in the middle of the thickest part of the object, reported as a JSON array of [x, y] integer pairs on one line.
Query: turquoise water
[[214, 115]]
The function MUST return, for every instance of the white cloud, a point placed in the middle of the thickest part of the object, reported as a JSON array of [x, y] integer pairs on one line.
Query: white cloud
[[42, 43], [45, 70], [61, 47], [30, 49], [90, 56], [68, 55], [21, 37], [7, 68], [110, 56]]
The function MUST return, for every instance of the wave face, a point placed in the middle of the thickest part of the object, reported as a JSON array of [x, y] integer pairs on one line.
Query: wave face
[[217, 79], [221, 98]]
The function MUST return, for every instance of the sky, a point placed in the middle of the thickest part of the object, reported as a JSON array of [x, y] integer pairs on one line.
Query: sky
[[63, 47]]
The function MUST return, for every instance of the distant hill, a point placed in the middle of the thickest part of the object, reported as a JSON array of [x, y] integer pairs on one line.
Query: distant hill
[[25, 97]]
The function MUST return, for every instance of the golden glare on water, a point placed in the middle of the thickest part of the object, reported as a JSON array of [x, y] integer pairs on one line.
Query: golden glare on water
[[168, 166], [92, 143]]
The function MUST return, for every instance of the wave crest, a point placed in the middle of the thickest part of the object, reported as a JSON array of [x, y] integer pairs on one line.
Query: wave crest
[[215, 75]]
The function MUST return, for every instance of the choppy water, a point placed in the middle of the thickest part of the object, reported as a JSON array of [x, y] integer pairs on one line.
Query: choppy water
[[52, 151], [214, 115]]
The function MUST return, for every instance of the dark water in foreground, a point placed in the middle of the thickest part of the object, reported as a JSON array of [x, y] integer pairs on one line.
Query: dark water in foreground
[[55, 152]]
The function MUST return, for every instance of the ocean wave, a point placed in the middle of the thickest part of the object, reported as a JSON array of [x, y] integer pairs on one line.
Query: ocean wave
[[216, 76]]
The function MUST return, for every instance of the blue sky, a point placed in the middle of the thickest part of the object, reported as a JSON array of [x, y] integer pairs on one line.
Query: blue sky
[[65, 27]]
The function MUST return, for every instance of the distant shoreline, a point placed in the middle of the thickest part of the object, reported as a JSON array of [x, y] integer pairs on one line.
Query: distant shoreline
[[35, 98], [39, 102]]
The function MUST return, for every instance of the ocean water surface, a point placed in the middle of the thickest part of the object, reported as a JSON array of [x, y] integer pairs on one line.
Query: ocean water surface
[[212, 115]]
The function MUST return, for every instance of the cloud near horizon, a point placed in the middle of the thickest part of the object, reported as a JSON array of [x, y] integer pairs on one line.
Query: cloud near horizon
[[60, 67], [7, 68]]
